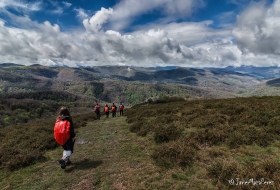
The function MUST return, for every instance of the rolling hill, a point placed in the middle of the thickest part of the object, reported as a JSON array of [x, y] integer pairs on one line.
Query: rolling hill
[[133, 85], [82, 81]]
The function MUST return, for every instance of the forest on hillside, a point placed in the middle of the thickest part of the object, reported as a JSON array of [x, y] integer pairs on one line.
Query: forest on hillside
[[18, 108]]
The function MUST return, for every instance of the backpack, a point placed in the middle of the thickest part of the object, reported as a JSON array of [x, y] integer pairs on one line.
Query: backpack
[[97, 108], [61, 131], [121, 107], [106, 109], [113, 108]]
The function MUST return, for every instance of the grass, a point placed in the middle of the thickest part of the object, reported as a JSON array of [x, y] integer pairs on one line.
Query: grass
[[106, 156], [218, 139], [200, 144]]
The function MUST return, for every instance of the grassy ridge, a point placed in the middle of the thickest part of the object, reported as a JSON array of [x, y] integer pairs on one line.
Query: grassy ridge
[[200, 144]]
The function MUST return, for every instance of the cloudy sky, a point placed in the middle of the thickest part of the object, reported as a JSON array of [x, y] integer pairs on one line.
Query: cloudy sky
[[189, 33]]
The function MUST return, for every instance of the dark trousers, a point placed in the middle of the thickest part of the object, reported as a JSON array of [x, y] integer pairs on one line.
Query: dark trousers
[[121, 112], [113, 113], [69, 145], [107, 114], [97, 114]]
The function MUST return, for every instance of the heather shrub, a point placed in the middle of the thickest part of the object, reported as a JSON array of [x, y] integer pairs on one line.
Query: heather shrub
[[174, 153], [221, 171], [229, 174], [210, 136], [166, 133], [268, 169], [147, 127], [25, 144], [248, 135], [233, 124], [136, 126], [142, 127], [133, 116]]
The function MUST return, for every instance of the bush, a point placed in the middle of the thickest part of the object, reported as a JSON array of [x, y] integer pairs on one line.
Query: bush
[[221, 171], [23, 145], [136, 126], [166, 133], [234, 123], [210, 136], [175, 153]]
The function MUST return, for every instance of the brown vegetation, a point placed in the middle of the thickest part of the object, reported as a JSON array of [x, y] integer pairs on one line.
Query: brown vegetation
[[199, 143], [214, 134], [25, 144]]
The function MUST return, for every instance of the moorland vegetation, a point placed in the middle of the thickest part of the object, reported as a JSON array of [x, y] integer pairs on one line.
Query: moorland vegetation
[[212, 141], [222, 140]]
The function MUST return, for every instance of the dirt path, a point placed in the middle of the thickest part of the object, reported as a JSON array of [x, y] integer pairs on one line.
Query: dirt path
[[115, 155]]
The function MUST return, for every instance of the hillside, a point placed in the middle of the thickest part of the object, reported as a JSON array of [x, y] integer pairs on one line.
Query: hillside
[[115, 83], [107, 156], [36, 91], [198, 144]]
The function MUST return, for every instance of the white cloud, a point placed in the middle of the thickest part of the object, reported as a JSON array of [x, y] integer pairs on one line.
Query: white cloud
[[189, 33], [46, 44], [21, 6], [182, 8], [257, 29], [226, 19], [127, 10], [59, 8], [185, 44], [67, 4], [81, 13], [240, 2], [94, 24]]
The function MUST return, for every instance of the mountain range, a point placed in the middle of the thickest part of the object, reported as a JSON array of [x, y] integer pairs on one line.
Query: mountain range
[[134, 85]]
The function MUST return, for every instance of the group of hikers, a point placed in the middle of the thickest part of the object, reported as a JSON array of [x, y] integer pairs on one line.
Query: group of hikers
[[64, 130], [107, 109]]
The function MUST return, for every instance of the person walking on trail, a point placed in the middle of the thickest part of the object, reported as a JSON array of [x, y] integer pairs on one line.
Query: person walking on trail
[[64, 135], [106, 110], [97, 111], [121, 108], [114, 110]]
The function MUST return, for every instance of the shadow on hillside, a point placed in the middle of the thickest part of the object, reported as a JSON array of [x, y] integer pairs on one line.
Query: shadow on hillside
[[84, 165]]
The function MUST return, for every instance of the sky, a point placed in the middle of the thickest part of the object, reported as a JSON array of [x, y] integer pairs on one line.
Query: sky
[[146, 33]]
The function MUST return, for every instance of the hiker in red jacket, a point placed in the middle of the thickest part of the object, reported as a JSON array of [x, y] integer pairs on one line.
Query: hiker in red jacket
[[114, 110], [121, 108], [97, 111], [106, 110], [64, 118]]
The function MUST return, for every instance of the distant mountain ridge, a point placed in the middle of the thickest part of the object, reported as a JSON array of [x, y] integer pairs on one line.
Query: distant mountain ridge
[[261, 72], [132, 84]]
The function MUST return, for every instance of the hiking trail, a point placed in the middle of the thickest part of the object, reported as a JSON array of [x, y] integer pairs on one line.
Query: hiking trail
[[106, 156]]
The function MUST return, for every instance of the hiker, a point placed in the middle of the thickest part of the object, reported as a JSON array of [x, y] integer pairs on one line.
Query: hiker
[[121, 107], [114, 110], [106, 110], [97, 110], [64, 120]]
